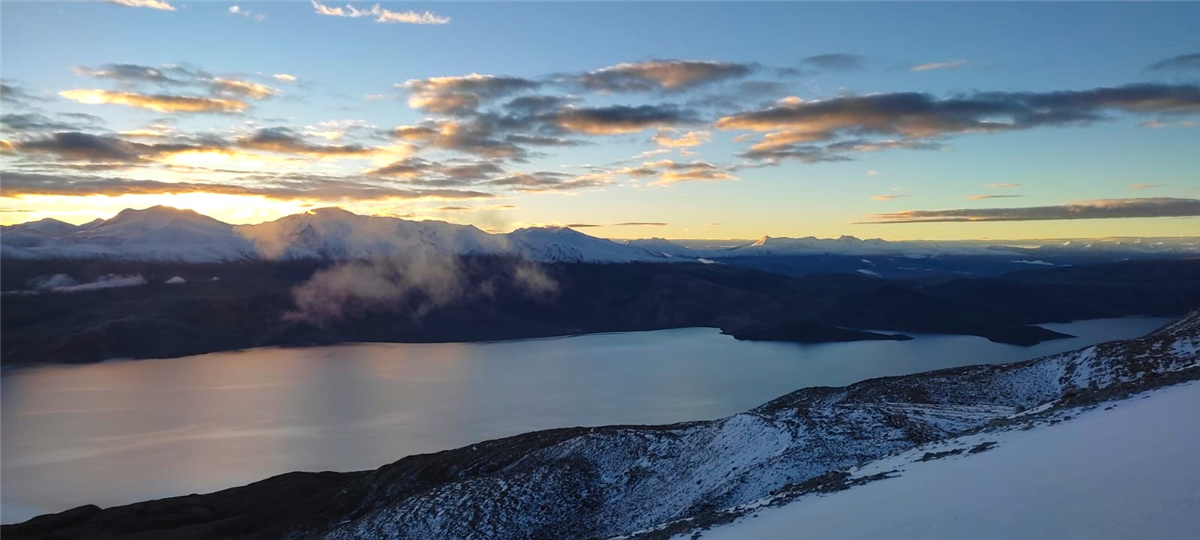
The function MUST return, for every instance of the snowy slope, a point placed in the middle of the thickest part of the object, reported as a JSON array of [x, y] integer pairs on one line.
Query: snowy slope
[[1126, 470], [620, 480]]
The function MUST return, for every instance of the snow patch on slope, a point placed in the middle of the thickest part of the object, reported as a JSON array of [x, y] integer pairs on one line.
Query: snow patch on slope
[[1125, 471]]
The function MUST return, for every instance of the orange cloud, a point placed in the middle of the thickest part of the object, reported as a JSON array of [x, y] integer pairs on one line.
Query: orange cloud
[[244, 88], [689, 139], [156, 102]]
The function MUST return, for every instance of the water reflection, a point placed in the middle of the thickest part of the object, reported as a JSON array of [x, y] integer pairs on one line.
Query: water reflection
[[120, 432]]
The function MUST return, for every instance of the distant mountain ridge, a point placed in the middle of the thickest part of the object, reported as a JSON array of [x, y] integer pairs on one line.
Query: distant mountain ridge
[[167, 234], [171, 235]]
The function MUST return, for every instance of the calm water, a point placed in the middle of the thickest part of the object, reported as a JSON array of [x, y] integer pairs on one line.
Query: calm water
[[120, 432]]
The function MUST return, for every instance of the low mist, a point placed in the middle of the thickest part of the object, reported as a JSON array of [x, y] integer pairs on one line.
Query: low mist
[[412, 286]]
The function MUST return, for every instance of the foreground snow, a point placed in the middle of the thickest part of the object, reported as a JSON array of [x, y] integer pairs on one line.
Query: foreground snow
[[1128, 471]]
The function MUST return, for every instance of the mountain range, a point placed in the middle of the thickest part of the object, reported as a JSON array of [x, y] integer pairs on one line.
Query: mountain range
[[172, 235]]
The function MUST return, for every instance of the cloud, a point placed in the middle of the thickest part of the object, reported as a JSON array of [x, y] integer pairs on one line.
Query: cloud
[[834, 62], [537, 104], [545, 181], [285, 141], [1147, 186], [78, 146], [462, 95], [665, 75], [333, 130], [474, 137], [669, 172], [617, 119], [982, 197], [432, 173], [887, 197], [237, 10], [175, 75], [156, 102], [915, 117], [81, 146], [1005, 185], [16, 94], [686, 140], [540, 140], [1181, 62], [285, 187], [952, 64], [24, 122], [151, 4], [284, 77], [126, 72], [381, 15], [1097, 209], [242, 88]]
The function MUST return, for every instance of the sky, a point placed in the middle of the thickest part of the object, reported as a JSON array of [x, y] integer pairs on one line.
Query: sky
[[625, 120]]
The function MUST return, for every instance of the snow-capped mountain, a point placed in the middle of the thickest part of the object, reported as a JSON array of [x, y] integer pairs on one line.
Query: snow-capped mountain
[[337, 234], [561, 244], [666, 248], [157, 233], [168, 234]]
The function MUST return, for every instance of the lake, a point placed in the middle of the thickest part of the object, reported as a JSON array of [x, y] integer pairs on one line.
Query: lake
[[124, 431]]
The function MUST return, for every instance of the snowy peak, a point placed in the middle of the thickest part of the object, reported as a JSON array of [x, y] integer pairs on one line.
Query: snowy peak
[[339, 234], [562, 244], [48, 226]]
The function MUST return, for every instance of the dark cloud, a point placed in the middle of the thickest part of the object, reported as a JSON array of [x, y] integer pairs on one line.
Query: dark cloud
[[1181, 62], [1099, 209], [13, 93], [78, 146], [617, 119], [286, 141], [431, 173], [540, 140], [128, 72], [664, 75], [275, 187], [834, 62], [460, 96], [24, 122], [534, 105], [477, 136], [915, 116], [544, 181]]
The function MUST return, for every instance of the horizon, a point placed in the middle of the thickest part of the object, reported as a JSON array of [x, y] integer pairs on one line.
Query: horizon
[[577, 227], [815, 129]]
